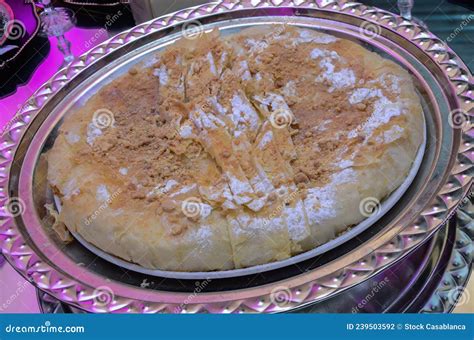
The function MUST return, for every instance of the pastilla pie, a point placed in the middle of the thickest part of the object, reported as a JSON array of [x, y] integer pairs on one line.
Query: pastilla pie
[[235, 151]]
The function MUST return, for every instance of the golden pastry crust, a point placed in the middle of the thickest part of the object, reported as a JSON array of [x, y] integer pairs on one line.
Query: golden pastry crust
[[237, 151]]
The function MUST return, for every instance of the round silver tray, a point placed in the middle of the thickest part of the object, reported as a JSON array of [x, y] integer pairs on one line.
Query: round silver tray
[[74, 275]]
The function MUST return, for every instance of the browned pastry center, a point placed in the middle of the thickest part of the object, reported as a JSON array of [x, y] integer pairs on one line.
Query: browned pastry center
[[234, 151]]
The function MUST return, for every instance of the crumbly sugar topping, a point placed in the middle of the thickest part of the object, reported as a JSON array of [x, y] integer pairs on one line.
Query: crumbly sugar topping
[[102, 193], [93, 131], [232, 123]]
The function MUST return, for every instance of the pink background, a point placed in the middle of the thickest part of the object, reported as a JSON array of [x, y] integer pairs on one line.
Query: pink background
[[17, 295]]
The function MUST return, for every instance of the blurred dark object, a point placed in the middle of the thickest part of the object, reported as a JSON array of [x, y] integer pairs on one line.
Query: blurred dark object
[[100, 13], [19, 24], [144, 10], [450, 20], [469, 4], [96, 2], [21, 47]]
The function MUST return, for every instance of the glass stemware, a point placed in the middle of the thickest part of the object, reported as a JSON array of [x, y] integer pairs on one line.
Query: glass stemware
[[55, 22], [405, 7]]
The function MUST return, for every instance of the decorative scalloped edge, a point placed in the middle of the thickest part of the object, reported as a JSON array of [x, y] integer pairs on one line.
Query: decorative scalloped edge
[[451, 287], [23, 258]]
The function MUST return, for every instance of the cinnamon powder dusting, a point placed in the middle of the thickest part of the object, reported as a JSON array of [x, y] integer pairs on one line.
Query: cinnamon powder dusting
[[201, 116]]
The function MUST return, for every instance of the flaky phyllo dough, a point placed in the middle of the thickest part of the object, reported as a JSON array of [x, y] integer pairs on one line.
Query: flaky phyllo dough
[[230, 152]]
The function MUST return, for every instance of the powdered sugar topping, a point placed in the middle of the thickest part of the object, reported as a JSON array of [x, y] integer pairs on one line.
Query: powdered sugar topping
[[384, 110], [72, 138], [320, 202], [102, 193], [212, 63], [337, 79], [162, 74], [306, 36], [93, 131], [244, 115], [256, 46], [267, 138], [361, 94]]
